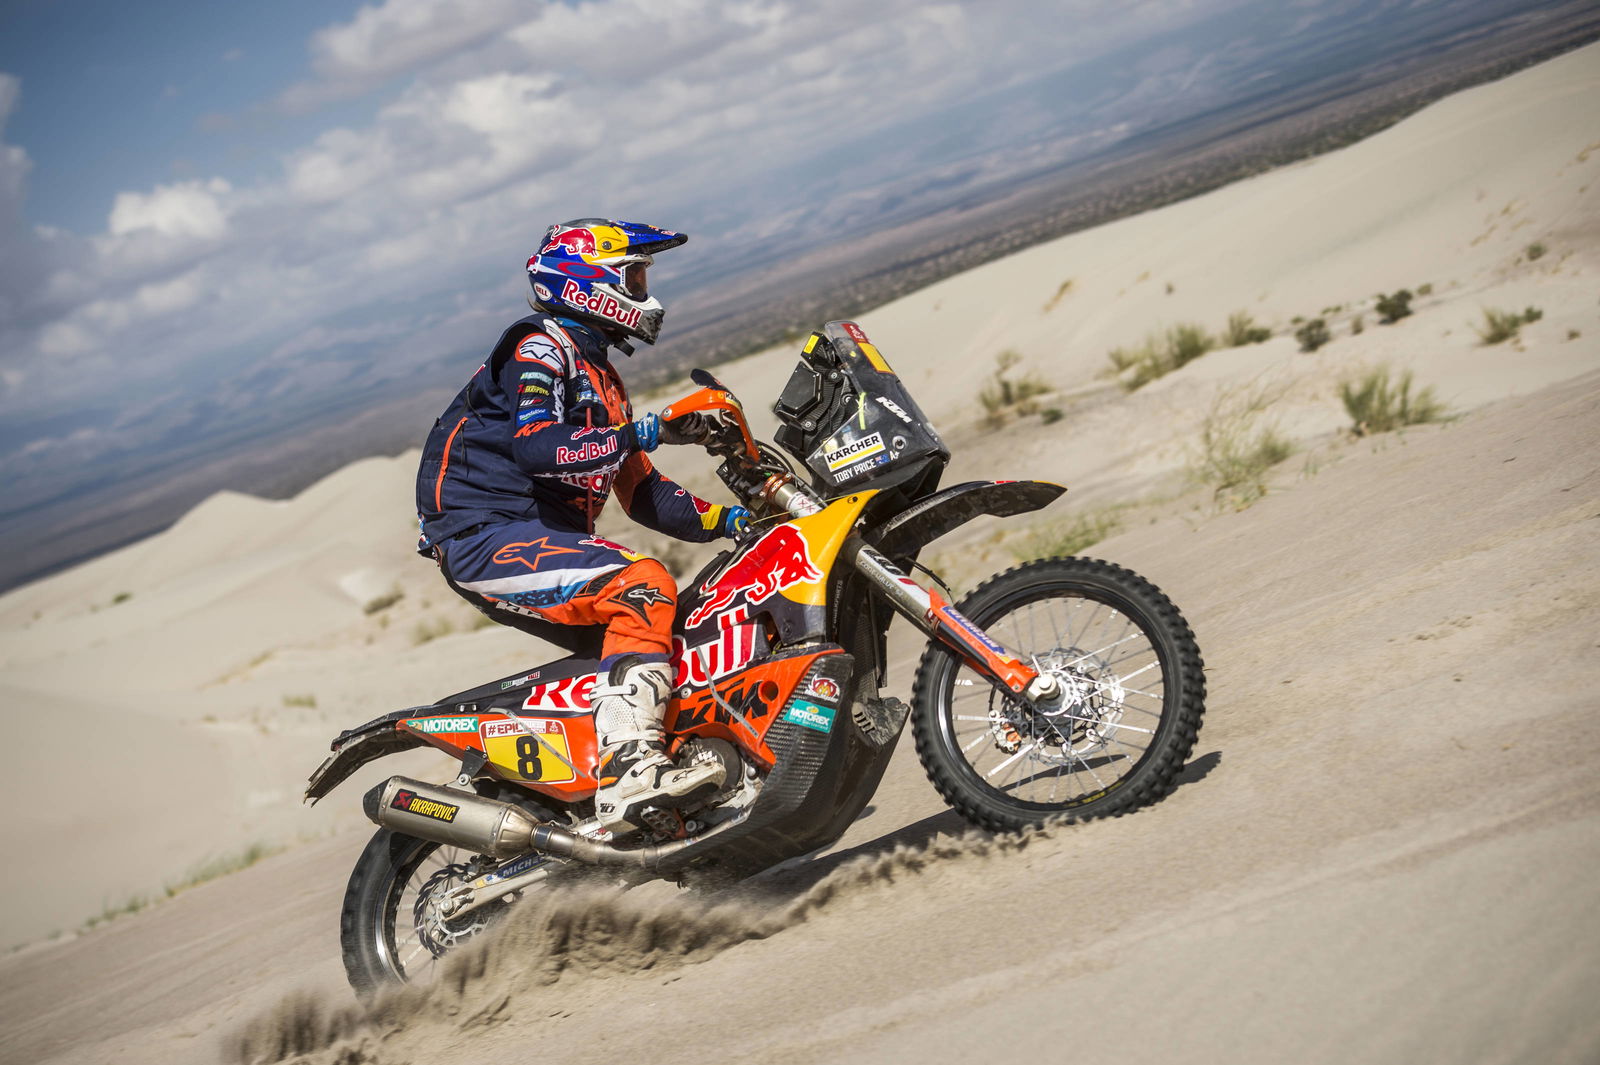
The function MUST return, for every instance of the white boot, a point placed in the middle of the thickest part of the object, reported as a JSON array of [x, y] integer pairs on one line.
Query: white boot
[[634, 770]]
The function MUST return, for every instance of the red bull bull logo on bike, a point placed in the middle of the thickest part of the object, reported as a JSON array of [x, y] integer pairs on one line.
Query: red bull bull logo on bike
[[778, 560]]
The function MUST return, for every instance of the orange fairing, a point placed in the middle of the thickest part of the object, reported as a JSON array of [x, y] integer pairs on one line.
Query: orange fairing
[[758, 694], [556, 753], [715, 401]]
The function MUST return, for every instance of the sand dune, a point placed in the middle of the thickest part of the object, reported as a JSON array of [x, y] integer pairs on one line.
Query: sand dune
[[1386, 842]]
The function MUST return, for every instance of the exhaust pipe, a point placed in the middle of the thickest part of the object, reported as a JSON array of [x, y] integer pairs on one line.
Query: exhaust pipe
[[451, 816], [487, 826]]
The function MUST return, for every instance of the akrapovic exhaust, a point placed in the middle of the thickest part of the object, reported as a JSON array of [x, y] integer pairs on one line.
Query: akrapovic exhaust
[[487, 826], [449, 815]]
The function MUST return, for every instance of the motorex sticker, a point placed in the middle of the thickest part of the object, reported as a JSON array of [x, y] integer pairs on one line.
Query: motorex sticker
[[809, 714], [442, 724]]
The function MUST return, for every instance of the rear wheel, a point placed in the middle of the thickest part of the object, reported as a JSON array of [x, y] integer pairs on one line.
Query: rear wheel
[[392, 929], [1133, 692]]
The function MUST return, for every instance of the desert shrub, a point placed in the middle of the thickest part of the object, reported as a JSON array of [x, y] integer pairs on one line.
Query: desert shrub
[[121, 597], [1534, 251], [1122, 358], [383, 602], [1068, 537], [431, 629], [300, 700], [1161, 354], [1002, 395], [1051, 415], [1064, 288], [222, 865], [1394, 307], [1376, 405], [1242, 330], [1499, 326], [1357, 325], [1425, 289], [1235, 450], [1313, 335]]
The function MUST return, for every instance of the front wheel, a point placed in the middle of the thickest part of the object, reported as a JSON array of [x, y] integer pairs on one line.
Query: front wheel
[[1133, 695]]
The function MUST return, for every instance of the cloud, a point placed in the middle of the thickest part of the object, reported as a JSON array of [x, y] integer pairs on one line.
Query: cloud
[[187, 209], [748, 124], [391, 38]]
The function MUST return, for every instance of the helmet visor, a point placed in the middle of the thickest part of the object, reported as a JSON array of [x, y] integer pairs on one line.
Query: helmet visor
[[634, 282]]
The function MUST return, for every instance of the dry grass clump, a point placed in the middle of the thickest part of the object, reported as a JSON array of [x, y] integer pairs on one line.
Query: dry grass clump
[[1377, 406], [1003, 396], [1160, 354], [1242, 329], [1067, 538], [1393, 307], [1313, 334], [429, 629], [1235, 449], [384, 601], [1499, 326]]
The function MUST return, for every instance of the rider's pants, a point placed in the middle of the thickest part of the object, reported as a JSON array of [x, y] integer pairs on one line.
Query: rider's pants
[[531, 576]]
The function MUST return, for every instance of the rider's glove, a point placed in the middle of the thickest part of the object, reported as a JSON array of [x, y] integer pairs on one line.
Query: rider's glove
[[691, 428], [735, 522], [647, 432]]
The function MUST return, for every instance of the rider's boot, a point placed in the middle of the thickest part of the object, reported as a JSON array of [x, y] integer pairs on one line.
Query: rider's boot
[[635, 772]]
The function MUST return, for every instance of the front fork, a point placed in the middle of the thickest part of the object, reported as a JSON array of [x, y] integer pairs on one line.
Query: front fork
[[930, 612]]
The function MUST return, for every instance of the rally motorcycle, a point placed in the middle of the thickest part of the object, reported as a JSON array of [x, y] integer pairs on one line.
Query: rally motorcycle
[[1065, 688]]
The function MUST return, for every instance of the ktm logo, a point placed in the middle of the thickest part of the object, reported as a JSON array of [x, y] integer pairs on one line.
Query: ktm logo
[[531, 552]]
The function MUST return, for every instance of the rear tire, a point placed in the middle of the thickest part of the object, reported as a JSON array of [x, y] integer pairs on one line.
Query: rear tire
[[1138, 695], [384, 934]]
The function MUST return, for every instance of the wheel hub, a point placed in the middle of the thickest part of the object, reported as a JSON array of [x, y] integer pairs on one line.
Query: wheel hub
[[1080, 718], [436, 930]]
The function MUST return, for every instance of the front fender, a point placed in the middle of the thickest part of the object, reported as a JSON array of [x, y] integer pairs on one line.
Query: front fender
[[911, 530]]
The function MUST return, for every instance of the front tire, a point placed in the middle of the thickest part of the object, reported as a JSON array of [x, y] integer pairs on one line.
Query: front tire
[[1135, 694]]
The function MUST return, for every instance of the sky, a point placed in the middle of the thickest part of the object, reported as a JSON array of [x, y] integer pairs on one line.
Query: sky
[[213, 216]]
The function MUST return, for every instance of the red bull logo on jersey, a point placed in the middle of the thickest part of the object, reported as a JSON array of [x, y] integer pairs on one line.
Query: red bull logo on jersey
[[590, 451], [777, 561], [599, 303]]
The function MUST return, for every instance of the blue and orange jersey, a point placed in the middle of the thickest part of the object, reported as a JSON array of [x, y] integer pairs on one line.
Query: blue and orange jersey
[[544, 431]]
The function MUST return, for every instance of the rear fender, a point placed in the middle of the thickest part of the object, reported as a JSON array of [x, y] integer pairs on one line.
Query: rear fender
[[356, 747], [908, 532]]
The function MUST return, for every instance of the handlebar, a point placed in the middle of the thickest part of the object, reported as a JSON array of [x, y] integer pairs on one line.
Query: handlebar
[[748, 472]]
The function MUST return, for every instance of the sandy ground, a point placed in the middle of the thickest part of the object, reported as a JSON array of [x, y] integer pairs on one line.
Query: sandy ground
[[1384, 849]]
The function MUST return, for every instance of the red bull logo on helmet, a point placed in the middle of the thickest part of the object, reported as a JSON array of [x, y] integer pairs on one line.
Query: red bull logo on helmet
[[777, 561], [574, 241], [599, 303]]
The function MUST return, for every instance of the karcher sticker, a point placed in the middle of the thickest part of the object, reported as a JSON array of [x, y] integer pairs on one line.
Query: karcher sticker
[[854, 451], [810, 715]]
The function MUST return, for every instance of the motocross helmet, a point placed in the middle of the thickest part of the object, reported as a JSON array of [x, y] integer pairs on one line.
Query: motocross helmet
[[593, 270]]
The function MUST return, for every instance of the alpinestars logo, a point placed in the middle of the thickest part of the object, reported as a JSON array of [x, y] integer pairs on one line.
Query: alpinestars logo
[[639, 598]]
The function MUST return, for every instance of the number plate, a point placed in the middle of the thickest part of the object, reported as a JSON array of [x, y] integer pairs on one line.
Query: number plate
[[514, 751]]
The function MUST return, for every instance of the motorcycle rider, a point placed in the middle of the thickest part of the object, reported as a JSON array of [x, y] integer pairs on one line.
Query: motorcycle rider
[[521, 463]]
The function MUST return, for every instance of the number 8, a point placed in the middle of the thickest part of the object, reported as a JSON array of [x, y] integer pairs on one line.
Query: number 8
[[528, 766]]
